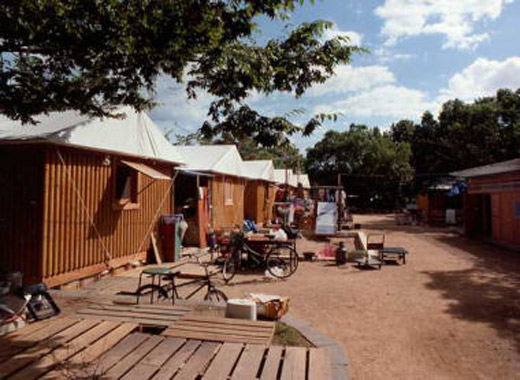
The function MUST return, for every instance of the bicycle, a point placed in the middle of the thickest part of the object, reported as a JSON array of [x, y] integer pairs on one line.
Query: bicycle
[[213, 294], [281, 260]]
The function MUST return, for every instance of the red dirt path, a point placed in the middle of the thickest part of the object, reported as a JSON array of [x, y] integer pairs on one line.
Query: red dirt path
[[453, 312]]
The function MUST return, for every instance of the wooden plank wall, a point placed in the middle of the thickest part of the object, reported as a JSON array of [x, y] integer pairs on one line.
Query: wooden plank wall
[[227, 216], [81, 191], [258, 202], [21, 210], [505, 224], [254, 201], [270, 204]]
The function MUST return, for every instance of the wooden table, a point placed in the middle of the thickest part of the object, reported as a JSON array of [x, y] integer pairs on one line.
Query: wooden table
[[396, 253]]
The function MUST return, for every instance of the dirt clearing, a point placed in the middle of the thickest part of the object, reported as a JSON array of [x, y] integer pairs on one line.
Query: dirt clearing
[[452, 312]]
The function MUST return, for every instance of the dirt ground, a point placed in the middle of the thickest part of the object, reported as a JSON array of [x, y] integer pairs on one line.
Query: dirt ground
[[452, 312]]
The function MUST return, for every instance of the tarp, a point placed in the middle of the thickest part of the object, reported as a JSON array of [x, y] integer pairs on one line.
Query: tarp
[[327, 218], [134, 134], [259, 170], [221, 159]]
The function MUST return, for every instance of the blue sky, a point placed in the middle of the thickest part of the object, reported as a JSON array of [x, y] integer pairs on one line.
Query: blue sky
[[423, 52]]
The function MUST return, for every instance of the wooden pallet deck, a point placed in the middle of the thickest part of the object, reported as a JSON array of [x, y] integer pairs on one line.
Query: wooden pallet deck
[[152, 315], [221, 329], [70, 348]]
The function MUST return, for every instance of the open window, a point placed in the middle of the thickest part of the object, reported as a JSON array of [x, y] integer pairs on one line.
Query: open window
[[126, 187], [228, 192]]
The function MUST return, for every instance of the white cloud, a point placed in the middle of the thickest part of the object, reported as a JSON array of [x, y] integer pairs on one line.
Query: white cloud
[[355, 37], [385, 55], [174, 110], [385, 101], [350, 79], [455, 19], [483, 77]]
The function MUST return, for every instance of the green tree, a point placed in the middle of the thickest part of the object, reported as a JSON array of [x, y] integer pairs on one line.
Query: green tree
[[92, 56], [464, 135], [373, 167]]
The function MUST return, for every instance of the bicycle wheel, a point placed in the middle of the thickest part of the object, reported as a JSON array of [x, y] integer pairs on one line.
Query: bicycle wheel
[[155, 291], [282, 261], [215, 295], [230, 268]]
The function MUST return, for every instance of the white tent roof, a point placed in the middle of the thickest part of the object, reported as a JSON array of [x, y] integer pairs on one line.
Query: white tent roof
[[259, 169], [135, 134], [279, 177], [304, 180], [221, 159]]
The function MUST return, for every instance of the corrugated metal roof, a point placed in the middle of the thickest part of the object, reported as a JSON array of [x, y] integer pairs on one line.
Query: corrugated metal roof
[[221, 159], [135, 134], [259, 169], [497, 168]]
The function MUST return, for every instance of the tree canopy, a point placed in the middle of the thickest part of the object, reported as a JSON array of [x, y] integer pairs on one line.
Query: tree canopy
[[373, 167], [93, 56], [464, 135]]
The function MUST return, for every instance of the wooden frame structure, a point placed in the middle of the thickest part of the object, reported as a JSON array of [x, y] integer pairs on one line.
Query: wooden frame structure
[[60, 220]]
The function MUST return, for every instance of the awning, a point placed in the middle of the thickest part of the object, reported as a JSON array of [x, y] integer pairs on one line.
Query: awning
[[147, 171]]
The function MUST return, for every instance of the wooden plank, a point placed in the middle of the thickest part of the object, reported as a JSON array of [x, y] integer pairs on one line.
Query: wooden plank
[[142, 321], [156, 252], [198, 362], [272, 363], [32, 354], [224, 361], [212, 326], [85, 363], [96, 349], [54, 327], [176, 361], [28, 329], [249, 363], [294, 364], [54, 358], [152, 362], [228, 321], [135, 308], [164, 307], [127, 314], [219, 330], [28, 336], [212, 337], [135, 356], [163, 351], [116, 353], [320, 366]]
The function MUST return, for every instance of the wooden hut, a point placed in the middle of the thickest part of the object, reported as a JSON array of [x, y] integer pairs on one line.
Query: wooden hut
[[260, 191], [436, 203], [218, 168], [80, 196], [492, 202], [303, 180]]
